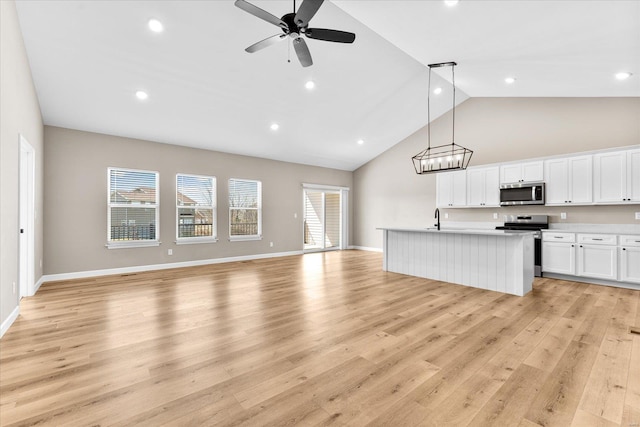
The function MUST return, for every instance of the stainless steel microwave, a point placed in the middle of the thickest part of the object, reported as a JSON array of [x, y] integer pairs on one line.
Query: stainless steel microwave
[[522, 193]]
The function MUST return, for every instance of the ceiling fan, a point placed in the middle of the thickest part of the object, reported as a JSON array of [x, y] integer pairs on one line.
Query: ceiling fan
[[294, 25]]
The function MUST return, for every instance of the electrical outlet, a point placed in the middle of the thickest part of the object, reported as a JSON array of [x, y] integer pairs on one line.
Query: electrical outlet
[[446, 215], [563, 215], [40, 262], [271, 244], [295, 215], [14, 287], [495, 215], [637, 215], [170, 252]]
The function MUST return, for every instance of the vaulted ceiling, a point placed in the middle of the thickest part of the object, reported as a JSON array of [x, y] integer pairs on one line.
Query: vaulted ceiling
[[88, 59]]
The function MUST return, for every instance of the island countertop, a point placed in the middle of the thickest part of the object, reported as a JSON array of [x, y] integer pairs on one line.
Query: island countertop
[[481, 231]]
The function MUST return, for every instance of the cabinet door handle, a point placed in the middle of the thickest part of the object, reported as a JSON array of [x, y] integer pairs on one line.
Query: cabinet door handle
[[573, 246], [624, 249]]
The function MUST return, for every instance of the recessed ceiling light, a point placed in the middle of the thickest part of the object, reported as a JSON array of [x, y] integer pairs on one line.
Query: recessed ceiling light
[[155, 26], [623, 75], [360, 141], [437, 90], [451, 3], [510, 80], [310, 84], [275, 126], [142, 95]]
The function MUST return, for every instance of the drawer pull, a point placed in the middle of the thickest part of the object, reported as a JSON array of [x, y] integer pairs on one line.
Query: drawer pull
[[558, 237], [597, 239]]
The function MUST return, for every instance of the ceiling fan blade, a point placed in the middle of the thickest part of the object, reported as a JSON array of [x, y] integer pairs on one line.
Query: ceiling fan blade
[[266, 42], [330, 35], [307, 9], [303, 52], [259, 13]]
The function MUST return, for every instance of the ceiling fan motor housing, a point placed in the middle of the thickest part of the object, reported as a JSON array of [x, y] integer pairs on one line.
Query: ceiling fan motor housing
[[292, 27]]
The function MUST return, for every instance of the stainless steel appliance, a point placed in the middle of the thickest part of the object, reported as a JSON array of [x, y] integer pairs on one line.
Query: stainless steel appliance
[[522, 193], [529, 223]]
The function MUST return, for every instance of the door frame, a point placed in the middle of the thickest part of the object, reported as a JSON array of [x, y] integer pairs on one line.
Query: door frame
[[344, 214], [26, 218]]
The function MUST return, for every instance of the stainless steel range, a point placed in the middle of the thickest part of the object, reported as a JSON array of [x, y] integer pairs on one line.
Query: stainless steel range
[[529, 223]]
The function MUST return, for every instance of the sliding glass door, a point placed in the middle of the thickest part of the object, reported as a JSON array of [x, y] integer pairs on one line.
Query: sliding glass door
[[322, 220]]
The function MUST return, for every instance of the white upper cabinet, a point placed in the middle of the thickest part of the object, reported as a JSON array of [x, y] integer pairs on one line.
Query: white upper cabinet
[[522, 172], [483, 187], [616, 177], [569, 180], [633, 176], [451, 189]]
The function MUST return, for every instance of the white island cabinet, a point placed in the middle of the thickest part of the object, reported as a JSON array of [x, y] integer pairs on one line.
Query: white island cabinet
[[496, 260]]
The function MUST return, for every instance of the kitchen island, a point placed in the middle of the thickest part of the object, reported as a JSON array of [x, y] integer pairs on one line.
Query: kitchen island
[[497, 260]]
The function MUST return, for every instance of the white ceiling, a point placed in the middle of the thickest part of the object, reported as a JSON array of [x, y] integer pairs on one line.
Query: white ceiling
[[89, 57]]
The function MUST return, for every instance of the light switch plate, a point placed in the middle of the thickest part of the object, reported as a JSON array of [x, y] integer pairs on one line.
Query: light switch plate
[[637, 215], [563, 215]]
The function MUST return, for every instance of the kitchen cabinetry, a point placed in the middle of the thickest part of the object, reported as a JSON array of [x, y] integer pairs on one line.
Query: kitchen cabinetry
[[558, 253], [451, 189], [569, 180], [597, 256], [629, 254], [483, 187], [617, 177], [522, 172]]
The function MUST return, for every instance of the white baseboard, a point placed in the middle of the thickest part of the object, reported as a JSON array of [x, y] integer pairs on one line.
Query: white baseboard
[[38, 284], [141, 268], [591, 281], [364, 248], [9, 320]]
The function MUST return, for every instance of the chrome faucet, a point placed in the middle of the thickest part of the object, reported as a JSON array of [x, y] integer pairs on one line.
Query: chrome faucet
[[437, 224]]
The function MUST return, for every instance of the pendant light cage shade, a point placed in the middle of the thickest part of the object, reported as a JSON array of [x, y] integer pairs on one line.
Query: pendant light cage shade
[[446, 157], [441, 159]]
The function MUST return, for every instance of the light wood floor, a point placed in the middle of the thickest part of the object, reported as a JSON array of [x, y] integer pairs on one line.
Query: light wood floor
[[320, 339]]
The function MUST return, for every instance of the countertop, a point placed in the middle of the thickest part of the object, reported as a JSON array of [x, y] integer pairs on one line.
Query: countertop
[[477, 231]]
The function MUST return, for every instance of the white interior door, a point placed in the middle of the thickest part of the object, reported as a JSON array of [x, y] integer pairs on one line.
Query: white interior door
[[27, 219]]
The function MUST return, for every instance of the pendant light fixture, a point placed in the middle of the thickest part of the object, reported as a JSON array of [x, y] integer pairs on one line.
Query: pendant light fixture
[[446, 157]]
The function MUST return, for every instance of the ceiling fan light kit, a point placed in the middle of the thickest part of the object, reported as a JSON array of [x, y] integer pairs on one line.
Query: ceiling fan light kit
[[295, 25], [447, 157]]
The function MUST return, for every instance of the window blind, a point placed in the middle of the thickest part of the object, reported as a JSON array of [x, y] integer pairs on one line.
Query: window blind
[[196, 206], [133, 205], [245, 208]]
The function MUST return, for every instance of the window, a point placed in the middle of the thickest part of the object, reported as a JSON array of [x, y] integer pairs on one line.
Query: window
[[195, 208], [245, 209], [132, 216]]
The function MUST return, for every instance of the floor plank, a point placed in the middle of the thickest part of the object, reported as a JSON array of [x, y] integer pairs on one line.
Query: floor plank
[[320, 339]]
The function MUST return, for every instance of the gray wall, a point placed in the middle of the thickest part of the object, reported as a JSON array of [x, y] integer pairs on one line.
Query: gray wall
[[387, 191], [19, 114], [76, 165]]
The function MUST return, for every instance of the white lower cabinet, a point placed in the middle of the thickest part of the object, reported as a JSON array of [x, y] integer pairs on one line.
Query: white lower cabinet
[[599, 256], [630, 265], [630, 259], [558, 257], [598, 261]]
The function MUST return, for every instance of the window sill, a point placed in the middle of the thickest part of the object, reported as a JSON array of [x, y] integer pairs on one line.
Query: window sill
[[195, 241], [244, 238], [136, 244]]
